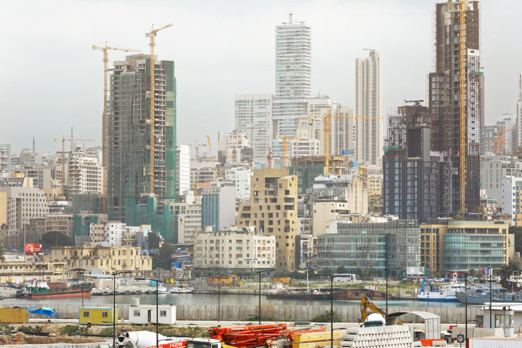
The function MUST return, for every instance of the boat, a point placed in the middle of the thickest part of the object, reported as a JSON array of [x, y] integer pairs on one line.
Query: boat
[[480, 294], [181, 290], [442, 293], [41, 289], [324, 294]]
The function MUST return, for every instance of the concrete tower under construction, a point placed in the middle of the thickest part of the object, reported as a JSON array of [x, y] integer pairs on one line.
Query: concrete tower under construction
[[457, 64], [129, 128]]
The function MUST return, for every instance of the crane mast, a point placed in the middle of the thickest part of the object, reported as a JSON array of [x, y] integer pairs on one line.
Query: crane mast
[[463, 5], [152, 35]]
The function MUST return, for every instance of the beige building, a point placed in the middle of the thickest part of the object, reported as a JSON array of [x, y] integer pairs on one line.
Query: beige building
[[106, 259], [449, 246], [374, 184], [63, 223], [272, 210], [85, 174], [237, 250], [324, 212], [3, 208], [20, 271], [24, 203]]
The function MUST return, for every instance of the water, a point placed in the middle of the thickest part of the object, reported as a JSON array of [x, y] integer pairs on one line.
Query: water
[[212, 299]]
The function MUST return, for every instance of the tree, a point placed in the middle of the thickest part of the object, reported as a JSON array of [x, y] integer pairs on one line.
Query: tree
[[162, 258], [153, 240], [55, 239], [341, 270], [507, 271], [517, 231]]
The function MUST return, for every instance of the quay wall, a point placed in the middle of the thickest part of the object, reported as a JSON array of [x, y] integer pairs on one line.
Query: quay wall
[[282, 313]]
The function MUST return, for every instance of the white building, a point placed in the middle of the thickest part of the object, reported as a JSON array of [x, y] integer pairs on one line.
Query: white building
[[113, 233], [85, 174], [189, 218], [23, 204], [183, 169], [493, 169], [237, 250], [511, 196], [235, 142], [253, 116], [5, 160], [368, 108], [241, 178], [146, 314], [293, 75], [519, 116], [218, 206]]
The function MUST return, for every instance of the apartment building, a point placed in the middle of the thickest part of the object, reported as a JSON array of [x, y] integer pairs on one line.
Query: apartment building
[[272, 211], [234, 250], [105, 259]]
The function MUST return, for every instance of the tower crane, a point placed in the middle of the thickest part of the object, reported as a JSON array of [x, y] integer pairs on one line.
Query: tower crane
[[326, 129], [152, 35], [462, 101], [63, 140], [105, 50]]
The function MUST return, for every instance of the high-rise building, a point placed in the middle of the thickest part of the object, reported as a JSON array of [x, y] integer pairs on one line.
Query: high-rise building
[[85, 174], [519, 116], [410, 170], [5, 160], [129, 151], [218, 206], [368, 107], [293, 75], [183, 170], [272, 211], [253, 116], [445, 100]]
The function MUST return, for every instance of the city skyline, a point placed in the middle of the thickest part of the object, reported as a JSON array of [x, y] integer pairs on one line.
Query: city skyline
[[243, 58]]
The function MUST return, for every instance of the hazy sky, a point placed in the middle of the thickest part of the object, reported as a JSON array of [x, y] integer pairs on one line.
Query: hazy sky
[[52, 79]]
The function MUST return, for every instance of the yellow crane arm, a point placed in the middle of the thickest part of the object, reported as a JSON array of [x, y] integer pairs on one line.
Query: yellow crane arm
[[366, 304]]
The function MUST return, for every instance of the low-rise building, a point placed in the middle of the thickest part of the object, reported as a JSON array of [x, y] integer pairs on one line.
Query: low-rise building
[[17, 272], [63, 223], [234, 250], [449, 246], [105, 259]]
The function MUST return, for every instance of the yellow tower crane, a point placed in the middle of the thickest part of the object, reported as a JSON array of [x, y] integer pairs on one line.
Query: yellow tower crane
[[105, 50], [63, 140], [152, 35], [462, 101], [326, 129]]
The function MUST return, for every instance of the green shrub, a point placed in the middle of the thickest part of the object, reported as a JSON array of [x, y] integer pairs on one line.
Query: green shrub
[[69, 329], [326, 318]]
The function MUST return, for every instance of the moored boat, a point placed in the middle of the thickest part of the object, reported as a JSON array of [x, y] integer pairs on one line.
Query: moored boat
[[443, 293], [41, 289]]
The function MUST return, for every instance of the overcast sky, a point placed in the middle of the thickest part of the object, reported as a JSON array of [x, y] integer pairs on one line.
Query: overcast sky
[[52, 79]]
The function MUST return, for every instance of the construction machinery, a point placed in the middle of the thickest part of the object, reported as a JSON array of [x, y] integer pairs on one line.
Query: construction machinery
[[105, 50], [152, 34], [63, 140], [500, 140], [326, 129], [232, 280], [374, 319]]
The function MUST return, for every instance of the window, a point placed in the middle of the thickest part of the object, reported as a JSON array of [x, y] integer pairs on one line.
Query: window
[[137, 312], [86, 314], [163, 313], [105, 314]]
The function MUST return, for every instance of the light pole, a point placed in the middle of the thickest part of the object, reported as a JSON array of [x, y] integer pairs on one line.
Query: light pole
[[259, 305], [490, 296], [114, 305], [157, 306], [80, 271]]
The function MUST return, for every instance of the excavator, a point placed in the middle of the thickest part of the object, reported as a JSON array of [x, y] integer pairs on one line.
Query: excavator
[[374, 319]]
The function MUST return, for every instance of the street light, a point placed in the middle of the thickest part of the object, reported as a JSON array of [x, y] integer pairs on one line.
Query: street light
[[157, 306], [80, 271], [259, 306], [114, 305]]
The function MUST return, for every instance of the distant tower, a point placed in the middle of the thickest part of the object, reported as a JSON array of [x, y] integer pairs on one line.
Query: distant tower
[[519, 115], [293, 75], [368, 104]]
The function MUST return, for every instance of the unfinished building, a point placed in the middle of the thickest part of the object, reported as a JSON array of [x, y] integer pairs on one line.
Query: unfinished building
[[445, 97], [129, 134]]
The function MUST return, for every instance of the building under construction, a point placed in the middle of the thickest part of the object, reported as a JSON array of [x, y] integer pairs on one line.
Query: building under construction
[[455, 128], [130, 142]]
